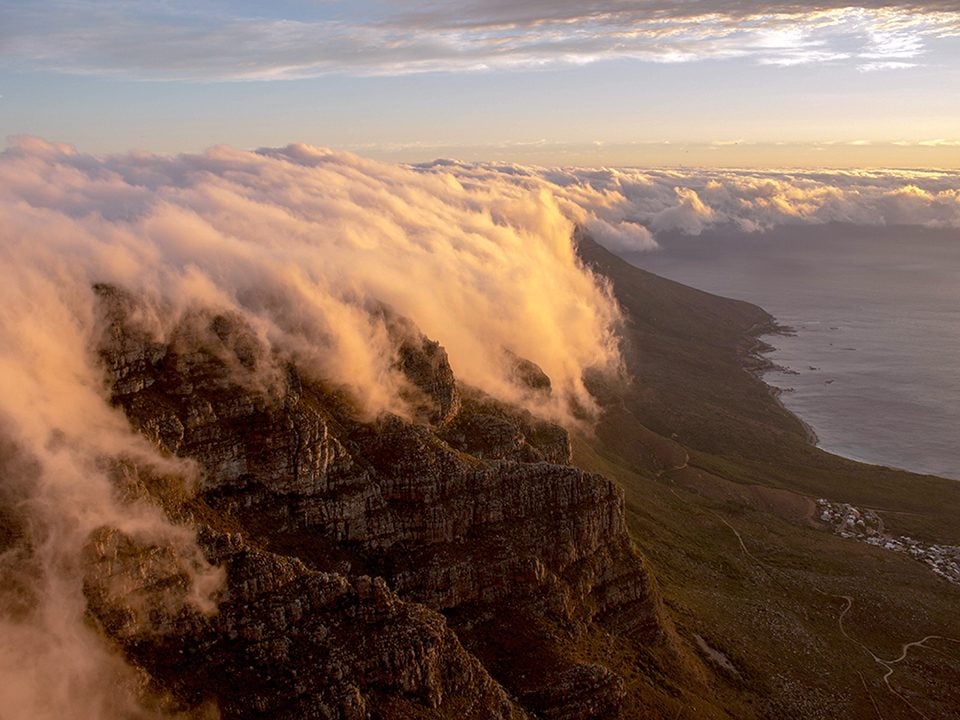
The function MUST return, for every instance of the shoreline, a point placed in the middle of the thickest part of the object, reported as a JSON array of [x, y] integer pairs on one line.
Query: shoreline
[[757, 364]]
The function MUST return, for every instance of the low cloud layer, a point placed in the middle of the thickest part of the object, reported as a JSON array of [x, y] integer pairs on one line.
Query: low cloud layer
[[295, 40], [626, 208], [691, 202]]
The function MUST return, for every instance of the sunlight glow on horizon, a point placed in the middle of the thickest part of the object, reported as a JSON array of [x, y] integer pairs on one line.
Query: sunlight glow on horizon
[[632, 82]]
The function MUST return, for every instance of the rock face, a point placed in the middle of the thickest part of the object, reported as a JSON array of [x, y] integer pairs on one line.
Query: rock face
[[448, 565]]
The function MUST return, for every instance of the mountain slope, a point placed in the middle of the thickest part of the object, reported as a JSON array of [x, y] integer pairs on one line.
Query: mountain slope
[[453, 563], [446, 565], [721, 484]]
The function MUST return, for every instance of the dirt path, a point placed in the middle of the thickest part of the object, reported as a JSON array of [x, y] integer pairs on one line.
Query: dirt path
[[887, 665], [682, 466]]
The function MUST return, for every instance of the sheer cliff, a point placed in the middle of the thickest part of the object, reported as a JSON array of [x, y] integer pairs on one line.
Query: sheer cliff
[[451, 563]]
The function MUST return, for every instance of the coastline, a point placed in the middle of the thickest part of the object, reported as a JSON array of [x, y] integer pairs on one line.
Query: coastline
[[756, 363]]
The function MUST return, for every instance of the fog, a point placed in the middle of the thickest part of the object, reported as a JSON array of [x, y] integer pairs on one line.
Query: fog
[[308, 246]]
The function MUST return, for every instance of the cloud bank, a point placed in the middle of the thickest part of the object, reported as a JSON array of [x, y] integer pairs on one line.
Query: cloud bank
[[626, 208], [178, 40], [691, 202]]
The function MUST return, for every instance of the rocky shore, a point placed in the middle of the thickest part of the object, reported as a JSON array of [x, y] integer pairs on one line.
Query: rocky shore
[[755, 361]]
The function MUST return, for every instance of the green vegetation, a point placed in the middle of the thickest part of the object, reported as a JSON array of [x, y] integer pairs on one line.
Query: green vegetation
[[721, 482]]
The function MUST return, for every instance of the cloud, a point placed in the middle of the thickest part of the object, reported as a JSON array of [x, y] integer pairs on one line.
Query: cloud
[[186, 41], [885, 65], [307, 245], [692, 201], [622, 236], [58, 436], [690, 215]]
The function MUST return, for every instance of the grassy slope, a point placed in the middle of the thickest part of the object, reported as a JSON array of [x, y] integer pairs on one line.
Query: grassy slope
[[771, 598]]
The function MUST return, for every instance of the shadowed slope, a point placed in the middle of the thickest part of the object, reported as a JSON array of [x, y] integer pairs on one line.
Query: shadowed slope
[[721, 483]]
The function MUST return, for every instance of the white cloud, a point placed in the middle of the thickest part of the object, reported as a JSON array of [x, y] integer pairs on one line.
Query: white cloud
[[180, 41]]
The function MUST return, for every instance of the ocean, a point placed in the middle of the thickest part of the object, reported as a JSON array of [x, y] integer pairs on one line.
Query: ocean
[[874, 364]]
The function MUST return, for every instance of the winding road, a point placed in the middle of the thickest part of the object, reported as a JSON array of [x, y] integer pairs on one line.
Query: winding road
[[887, 665]]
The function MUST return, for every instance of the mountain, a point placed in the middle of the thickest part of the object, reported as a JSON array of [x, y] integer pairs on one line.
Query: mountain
[[726, 496], [470, 560], [298, 434], [453, 564]]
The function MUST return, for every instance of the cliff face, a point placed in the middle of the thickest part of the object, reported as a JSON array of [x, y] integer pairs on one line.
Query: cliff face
[[450, 564]]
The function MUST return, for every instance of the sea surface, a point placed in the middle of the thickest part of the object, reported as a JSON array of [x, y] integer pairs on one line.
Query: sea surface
[[874, 365]]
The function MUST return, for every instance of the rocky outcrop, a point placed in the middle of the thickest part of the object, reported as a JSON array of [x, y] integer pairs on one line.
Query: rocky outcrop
[[286, 642], [493, 430], [379, 568], [434, 394]]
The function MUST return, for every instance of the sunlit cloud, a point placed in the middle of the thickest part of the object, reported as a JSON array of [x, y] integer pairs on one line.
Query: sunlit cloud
[[308, 247], [180, 41], [627, 208]]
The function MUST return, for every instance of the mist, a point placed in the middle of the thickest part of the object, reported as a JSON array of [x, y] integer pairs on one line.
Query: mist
[[308, 246]]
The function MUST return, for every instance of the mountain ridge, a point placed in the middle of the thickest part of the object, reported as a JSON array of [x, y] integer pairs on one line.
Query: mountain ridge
[[383, 521], [454, 563]]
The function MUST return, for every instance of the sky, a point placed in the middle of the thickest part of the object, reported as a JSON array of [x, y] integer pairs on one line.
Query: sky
[[721, 83]]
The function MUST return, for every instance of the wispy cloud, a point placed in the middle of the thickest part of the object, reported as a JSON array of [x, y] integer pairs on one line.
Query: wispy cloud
[[885, 65], [176, 40]]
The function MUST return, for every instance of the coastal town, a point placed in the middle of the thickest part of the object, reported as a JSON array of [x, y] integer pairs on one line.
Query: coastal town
[[867, 526]]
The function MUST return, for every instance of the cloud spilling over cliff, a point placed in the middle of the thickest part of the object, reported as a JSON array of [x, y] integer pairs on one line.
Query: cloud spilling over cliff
[[316, 250], [312, 244]]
